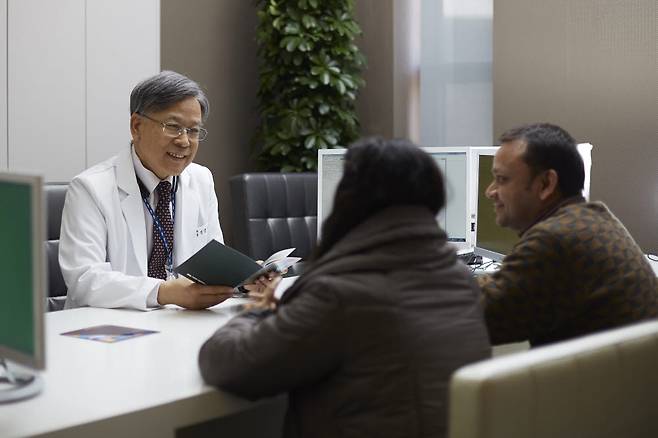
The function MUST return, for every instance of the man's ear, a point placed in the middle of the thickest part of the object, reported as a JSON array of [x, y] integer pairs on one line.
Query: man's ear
[[135, 126], [549, 184]]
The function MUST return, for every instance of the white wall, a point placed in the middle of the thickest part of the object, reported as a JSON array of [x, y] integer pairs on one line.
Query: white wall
[[456, 76], [3, 80], [46, 86], [123, 47], [71, 65]]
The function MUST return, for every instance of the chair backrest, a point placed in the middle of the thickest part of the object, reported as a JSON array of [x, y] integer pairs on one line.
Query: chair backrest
[[55, 194], [602, 385], [274, 211]]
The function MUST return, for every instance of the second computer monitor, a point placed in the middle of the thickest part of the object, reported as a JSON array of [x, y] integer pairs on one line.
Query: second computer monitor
[[491, 240], [453, 162]]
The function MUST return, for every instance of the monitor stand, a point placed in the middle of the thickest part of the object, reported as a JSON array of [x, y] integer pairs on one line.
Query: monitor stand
[[17, 385]]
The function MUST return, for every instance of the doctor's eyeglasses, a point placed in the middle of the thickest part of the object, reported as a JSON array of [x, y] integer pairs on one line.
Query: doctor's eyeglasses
[[173, 130]]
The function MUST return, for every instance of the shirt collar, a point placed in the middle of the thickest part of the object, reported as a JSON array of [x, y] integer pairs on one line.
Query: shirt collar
[[551, 211], [148, 179]]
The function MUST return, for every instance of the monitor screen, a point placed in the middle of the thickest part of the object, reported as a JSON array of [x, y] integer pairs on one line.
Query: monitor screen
[[453, 218], [453, 163], [491, 240], [330, 171], [22, 268]]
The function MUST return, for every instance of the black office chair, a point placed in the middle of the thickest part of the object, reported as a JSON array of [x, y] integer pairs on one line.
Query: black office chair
[[274, 211], [55, 194]]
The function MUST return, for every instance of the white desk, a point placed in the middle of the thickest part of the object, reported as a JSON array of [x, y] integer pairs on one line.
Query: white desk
[[145, 386]]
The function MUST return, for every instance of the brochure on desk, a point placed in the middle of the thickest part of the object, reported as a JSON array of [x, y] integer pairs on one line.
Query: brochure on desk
[[218, 264], [108, 333]]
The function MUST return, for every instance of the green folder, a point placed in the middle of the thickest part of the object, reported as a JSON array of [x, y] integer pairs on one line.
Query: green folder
[[217, 264]]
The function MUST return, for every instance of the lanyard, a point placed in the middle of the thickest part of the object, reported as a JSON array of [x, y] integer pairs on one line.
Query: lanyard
[[156, 223]]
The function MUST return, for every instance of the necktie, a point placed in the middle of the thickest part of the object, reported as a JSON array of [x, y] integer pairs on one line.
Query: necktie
[[159, 253]]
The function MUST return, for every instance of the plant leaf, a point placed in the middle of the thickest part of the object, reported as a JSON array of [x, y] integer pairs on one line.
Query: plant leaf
[[291, 29], [340, 85], [309, 142], [308, 21], [293, 42], [309, 76]]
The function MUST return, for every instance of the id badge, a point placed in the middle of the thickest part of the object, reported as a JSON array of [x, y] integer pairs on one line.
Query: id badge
[[169, 269]]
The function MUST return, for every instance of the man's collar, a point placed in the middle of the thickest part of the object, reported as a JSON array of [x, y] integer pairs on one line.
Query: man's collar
[[550, 211], [148, 179]]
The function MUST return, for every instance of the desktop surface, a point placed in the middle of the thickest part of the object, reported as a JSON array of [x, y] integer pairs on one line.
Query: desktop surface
[[144, 386]]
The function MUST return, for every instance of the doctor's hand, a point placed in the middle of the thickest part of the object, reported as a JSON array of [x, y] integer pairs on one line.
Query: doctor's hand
[[261, 292], [190, 295]]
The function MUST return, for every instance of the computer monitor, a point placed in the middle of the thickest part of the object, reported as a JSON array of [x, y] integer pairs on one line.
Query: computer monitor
[[22, 294], [491, 240], [330, 172], [453, 162], [585, 151]]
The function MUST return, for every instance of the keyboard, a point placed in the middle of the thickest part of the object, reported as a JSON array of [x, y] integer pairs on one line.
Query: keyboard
[[470, 258]]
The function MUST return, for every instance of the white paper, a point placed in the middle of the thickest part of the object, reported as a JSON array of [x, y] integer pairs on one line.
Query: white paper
[[283, 285], [283, 264], [278, 255]]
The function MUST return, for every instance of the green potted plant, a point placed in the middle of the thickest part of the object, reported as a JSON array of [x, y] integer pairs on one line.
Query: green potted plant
[[310, 74]]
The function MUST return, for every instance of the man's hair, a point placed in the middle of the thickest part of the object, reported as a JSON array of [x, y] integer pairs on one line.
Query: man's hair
[[377, 174], [165, 89], [551, 147]]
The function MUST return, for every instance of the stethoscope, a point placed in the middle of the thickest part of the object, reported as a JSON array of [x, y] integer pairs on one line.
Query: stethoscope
[[169, 249]]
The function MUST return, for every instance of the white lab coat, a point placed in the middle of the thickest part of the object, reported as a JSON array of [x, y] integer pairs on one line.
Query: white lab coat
[[103, 246]]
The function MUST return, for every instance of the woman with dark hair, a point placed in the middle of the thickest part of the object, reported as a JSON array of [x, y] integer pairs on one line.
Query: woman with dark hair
[[366, 340]]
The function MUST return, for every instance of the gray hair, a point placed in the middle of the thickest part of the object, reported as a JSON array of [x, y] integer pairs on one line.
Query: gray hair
[[165, 89]]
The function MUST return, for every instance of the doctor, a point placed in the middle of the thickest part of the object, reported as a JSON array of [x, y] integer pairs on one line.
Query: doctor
[[128, 220]]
